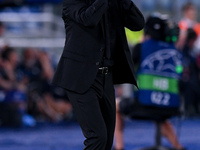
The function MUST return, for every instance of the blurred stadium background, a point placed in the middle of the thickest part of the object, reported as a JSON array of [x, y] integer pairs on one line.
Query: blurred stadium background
[[38, 24]]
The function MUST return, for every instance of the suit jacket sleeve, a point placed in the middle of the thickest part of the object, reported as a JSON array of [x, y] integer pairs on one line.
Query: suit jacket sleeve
[[83, 13], [131, 15]]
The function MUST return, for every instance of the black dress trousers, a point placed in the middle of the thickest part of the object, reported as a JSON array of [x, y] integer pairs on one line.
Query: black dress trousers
[[95, 111]]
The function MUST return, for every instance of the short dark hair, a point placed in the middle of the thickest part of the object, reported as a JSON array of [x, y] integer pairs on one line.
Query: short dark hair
[[156, 27], [5, 54], [187, 6]]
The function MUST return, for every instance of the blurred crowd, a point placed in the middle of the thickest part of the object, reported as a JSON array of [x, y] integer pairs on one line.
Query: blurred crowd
[[189, 44], [27, 95]]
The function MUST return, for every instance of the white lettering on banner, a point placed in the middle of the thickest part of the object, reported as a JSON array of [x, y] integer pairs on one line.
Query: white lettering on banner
[[160, 98], [162, 84]]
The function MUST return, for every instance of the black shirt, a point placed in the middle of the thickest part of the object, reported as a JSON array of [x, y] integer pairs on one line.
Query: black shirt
[[110, 29], [110, 33]]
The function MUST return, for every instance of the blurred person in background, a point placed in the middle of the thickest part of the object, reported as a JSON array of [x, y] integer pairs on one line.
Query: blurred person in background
[[96, 56], [190, 81], [155, 32], [189, 20], [13, 90], [45, 101]]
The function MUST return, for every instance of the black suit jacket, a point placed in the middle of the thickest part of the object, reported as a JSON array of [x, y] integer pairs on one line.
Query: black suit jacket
[[84, 45]]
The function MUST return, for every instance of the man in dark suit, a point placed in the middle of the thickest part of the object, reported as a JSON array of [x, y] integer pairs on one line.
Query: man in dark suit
[[96, 56]]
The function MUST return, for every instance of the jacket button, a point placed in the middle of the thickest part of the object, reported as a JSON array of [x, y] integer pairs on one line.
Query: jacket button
[[97, 63]]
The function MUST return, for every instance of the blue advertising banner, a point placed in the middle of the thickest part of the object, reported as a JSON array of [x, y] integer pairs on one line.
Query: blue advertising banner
[[158, 74]]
